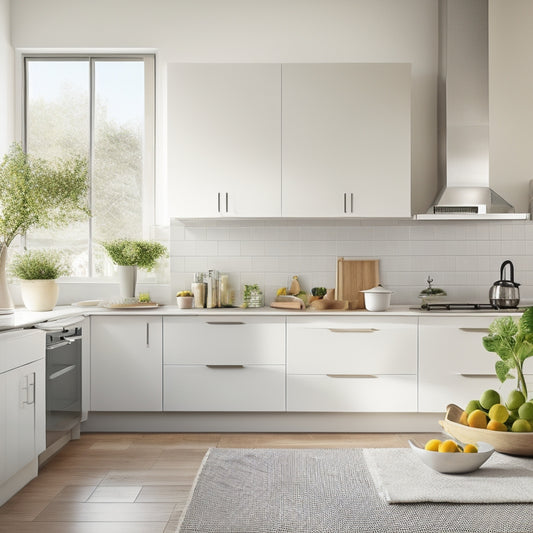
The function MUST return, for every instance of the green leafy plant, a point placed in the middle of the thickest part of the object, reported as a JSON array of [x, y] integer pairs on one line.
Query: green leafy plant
[[39, 264], [143, 254], [39, 193], [319, 292], [513, 342]]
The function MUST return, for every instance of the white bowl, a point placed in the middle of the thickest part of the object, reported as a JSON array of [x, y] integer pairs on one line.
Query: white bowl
[[453, 463], [377, 298]]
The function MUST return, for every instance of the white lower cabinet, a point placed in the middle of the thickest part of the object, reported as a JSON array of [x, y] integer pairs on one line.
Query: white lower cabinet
[[352, 364], [126, 363], [454, 365], [224, 364], [22, 406]]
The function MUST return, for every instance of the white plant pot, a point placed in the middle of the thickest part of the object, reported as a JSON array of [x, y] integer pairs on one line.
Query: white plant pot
[[128, 280], [184, 302], [39, 294]]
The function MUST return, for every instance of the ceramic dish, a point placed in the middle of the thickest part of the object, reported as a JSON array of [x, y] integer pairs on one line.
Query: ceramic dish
[[502, 441], [453, 463]]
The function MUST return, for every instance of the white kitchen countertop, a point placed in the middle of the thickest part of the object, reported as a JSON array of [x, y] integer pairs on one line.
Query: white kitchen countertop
[[23, 318]]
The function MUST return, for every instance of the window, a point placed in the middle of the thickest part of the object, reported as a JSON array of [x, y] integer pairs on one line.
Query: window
[[102, 108]]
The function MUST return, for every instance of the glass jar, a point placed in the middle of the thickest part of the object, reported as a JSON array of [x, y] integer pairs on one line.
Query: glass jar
[[256, 299]]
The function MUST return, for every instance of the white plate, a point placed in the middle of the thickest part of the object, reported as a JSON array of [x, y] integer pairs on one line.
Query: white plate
[[87, 303], [111, 305]]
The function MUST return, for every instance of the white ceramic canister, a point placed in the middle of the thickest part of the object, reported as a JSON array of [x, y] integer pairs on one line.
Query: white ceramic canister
[[377, 298]]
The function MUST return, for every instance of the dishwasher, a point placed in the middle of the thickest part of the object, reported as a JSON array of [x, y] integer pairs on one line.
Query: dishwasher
[[63, 378]]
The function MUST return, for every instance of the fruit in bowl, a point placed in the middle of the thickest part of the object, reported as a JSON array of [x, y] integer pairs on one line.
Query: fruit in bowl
[[452, 457]]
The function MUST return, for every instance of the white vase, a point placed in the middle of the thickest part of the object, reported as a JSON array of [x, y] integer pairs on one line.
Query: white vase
[[6, 302], [39, 294], [128, 280]]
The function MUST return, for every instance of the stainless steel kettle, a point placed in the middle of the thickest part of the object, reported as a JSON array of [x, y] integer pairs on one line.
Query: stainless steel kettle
[[505, 293]]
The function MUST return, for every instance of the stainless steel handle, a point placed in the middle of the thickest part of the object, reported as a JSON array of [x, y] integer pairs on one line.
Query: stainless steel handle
[[147, 334], [352, 376], [475, 330], [353, 330], [227, 202], [345, 203], [61, 372], [351, 202], [224, 366], [219, 202], [73, 339], [225, 323], [477, 375], [57, 345], [29, 386]]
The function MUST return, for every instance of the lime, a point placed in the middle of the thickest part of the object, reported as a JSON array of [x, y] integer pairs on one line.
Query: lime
[[521, 426], [489, 398], [515, 399], [499, 413], [472, 405], [526, 410]]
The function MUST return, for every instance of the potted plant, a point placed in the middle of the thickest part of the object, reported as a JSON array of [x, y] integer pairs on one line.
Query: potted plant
[[37, 193], [38, 271], [129, 255]]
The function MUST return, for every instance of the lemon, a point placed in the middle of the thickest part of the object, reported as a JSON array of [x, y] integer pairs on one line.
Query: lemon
[[432, 445], [489, 398], [515, 399], [448, 446], [526, 410], [521, 426], [499, 413], [470, 448], [477, 419], [496, 426]]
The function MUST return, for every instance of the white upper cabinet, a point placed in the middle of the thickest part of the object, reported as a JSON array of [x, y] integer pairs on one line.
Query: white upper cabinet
[[346, 140], [224, 149]]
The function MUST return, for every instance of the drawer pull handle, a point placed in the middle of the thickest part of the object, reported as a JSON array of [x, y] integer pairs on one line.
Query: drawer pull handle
[[475, 330], [225, 323], [353, 330], [355, 376], [224, 366], [478, 375]]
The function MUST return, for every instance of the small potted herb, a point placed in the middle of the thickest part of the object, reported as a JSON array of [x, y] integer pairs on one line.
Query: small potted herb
[[38, 271], [253, 296]]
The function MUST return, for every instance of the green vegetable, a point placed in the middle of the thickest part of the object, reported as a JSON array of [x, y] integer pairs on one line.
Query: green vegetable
[[39, 264], [319, 291], [513, 342]]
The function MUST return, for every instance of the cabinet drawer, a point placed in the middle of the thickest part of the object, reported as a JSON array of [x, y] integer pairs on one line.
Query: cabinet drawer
[[224, 388], [20, 348], [454, 365], [352, 393], [224, 340], [352, 345]]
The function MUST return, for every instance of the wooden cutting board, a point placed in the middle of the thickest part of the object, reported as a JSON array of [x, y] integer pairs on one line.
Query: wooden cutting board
[[354, 275]]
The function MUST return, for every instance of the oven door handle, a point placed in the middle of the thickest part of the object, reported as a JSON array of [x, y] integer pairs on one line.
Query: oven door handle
[[57, 345], [73, 339], [61, 372]]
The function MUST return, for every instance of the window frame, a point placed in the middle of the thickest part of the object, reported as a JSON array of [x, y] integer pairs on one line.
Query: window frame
[[149, 133]]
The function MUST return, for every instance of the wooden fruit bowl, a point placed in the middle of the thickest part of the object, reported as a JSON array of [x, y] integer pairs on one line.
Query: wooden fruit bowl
[[502, 441]]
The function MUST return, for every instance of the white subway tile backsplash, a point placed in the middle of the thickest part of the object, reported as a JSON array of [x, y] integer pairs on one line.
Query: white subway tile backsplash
[[464, 258]]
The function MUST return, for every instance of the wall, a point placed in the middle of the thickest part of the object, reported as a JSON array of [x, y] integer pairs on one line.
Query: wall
[[6, 79]]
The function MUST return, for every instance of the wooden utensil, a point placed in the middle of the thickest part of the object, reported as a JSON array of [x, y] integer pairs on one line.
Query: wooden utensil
[[353, 276]]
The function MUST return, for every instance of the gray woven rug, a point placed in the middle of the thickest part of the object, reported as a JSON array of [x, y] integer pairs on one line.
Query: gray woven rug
[[322, 491]]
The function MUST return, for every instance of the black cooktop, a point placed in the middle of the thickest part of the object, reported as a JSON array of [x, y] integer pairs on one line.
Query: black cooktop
[[453, 306]]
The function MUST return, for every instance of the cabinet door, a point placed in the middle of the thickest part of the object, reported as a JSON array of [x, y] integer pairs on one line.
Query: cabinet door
[[19, 396], [224, 143], [346, 140], [126, 363], [454, 365]]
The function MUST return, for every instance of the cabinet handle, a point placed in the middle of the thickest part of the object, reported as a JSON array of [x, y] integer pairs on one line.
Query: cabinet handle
[[225, 323], [475, 330], [345, 203], [227, 202], [351, 202], [354, 376], [224, 366], [477, 375], [218, 208], [147, 334], [29, 387], [353, 330]]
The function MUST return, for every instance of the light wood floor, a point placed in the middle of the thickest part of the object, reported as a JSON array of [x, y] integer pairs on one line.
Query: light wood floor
[[139, 482]]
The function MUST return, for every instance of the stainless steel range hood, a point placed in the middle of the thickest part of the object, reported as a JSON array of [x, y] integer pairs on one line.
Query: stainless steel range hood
[[463, 117]]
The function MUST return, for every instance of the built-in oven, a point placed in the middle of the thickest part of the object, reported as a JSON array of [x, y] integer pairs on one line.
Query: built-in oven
[[63, 378]]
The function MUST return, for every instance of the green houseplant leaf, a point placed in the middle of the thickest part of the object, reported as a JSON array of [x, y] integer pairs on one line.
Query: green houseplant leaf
[[143, 254], [39, 264]]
